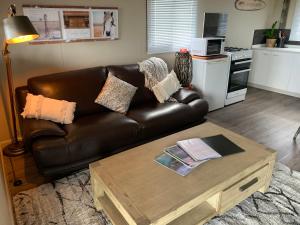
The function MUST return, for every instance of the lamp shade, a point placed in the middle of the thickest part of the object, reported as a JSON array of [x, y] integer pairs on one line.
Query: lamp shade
[[19, 29]]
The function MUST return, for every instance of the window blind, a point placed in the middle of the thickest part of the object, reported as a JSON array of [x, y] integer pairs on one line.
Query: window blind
[[295, 31], [171, 24]]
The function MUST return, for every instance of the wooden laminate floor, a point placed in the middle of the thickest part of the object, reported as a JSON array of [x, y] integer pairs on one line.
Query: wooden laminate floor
[[268, 118]]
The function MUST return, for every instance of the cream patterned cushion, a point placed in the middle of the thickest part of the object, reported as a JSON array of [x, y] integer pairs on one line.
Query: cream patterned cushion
[[40, 107], [167, 87], [116, 94]]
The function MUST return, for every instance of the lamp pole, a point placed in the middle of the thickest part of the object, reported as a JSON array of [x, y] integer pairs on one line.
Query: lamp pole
[[17, 29], [16, 147]]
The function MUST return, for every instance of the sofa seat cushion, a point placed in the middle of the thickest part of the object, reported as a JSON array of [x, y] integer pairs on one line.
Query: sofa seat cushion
[[87, 137], [156, 119], [50, 151]]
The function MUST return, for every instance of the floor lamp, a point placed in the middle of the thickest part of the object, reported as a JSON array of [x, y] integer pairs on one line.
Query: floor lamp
[[17, 29]]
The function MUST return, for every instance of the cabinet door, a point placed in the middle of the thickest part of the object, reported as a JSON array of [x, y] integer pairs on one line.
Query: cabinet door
[[260, 68], [294, 83], [198, 75], [280, 67], [216, 82]]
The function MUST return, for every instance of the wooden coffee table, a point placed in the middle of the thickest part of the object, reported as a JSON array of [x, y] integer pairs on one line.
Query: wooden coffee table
[[133, 189]]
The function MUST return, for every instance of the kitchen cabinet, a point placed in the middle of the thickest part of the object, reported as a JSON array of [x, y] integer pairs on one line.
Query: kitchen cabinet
[[294, 82], [276, 70], [210, 77], [260, 67], [279, 71]]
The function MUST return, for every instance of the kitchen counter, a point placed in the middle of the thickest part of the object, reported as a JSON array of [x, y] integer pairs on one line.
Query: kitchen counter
[[286, 49], [276, 69]]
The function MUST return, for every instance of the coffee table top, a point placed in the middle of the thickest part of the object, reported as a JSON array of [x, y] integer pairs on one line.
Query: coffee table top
[[144, 186]]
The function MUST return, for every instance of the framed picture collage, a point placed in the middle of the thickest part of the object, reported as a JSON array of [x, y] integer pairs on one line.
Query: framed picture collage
[[68, 24]]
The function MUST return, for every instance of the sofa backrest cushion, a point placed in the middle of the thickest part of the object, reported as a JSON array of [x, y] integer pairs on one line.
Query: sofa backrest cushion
[[80, 86], [132, 75]]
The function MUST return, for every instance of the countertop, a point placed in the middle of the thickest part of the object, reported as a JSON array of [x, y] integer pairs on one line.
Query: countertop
[[286, 49]]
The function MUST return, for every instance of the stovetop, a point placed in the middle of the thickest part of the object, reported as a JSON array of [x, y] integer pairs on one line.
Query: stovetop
[[238, 53], [234, 49]]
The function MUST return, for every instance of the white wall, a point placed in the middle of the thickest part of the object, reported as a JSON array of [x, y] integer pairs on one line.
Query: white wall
[[241, 24], [291, 12], [33, 60]]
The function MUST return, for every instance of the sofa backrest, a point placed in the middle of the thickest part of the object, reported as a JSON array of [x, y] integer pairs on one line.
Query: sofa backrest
[[83, 86], [80, 86], [132, 75]]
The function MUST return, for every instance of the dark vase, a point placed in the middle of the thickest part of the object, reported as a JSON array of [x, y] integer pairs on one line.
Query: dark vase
[[183, 68]]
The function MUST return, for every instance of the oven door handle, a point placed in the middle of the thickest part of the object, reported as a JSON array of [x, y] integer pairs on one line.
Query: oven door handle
[[242, 71], [243, 62]]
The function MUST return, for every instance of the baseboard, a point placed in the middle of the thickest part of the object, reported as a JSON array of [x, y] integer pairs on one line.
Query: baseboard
[[274, 90]]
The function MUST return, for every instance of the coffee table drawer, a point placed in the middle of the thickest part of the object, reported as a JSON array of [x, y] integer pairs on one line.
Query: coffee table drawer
[[241, 190]]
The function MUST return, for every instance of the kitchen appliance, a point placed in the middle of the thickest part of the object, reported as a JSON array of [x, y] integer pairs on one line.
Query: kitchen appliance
[[215, 25], [210, 77], [239, 70], [207, 46]]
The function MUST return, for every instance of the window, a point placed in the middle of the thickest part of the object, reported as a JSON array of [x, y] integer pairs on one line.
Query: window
[[295, 31], [171, 24]]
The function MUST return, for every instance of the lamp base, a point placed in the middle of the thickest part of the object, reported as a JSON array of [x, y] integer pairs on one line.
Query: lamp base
[[14, 149]]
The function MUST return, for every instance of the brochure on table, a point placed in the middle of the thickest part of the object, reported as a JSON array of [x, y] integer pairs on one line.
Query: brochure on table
[[188, 154]]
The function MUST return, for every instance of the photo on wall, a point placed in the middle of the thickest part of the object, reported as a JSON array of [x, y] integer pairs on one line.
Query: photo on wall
[[46, 22], [73, 23], [76, 25], [105, 24]]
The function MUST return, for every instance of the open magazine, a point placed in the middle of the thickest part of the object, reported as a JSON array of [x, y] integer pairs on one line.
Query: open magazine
[[177, 153], [173, 164], [198, 149], [178, 160]]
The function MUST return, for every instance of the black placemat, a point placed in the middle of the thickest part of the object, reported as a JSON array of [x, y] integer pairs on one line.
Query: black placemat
[[222, 145]]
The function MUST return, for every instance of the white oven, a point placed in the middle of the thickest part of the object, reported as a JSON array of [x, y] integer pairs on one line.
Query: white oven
[[239, 70]]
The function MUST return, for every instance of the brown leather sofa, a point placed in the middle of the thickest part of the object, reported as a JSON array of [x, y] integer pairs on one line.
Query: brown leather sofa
[[97, 132]]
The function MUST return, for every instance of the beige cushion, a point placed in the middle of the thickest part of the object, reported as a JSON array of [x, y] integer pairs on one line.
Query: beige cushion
[[40, 107], [167, 87], [116, 94]]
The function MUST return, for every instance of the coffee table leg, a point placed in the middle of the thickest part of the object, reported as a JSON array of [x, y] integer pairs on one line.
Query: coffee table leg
[[97, 190], [269, 177]]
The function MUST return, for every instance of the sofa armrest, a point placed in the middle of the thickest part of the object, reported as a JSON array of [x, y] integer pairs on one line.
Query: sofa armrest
[[20, 95], [186, 96], [33, 128]]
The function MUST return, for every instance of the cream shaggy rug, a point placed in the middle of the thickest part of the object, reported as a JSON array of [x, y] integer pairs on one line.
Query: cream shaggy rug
[[68, 201]]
